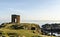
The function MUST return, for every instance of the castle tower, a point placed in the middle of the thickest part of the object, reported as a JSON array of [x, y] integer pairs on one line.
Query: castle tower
[[15, 18]]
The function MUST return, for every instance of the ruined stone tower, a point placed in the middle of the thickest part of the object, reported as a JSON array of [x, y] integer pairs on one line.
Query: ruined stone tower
[[15, 18]]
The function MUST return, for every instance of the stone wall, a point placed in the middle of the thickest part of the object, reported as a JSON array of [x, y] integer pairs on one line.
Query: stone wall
[[15, 19]]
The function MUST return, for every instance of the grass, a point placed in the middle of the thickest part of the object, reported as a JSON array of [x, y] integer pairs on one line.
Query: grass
[[20, 32], [27, 33]]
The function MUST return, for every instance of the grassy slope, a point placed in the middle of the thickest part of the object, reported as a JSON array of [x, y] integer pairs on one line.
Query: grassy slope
[[21, 32], [27, 33]]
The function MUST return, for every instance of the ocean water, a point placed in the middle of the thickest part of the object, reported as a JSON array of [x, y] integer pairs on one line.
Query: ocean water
[[41, 22]]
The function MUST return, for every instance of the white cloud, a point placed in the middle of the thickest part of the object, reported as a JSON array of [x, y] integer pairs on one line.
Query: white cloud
[[15, 11]]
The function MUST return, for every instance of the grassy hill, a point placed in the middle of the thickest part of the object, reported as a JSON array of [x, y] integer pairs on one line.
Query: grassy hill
[[21, 33], [22, 30], [26, 33]]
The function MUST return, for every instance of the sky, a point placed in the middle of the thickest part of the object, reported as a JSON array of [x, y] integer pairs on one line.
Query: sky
[[30, 9]]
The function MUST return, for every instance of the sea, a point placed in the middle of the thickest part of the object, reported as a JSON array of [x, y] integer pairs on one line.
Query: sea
[[39, 22]]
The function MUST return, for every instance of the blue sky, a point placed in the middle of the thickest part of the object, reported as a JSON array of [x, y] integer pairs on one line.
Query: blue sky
[[30, 9]]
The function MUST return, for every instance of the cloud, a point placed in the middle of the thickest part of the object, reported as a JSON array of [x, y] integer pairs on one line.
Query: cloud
[[15, 11]]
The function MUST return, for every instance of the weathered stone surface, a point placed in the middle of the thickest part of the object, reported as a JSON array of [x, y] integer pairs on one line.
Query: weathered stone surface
[[15, 19]]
